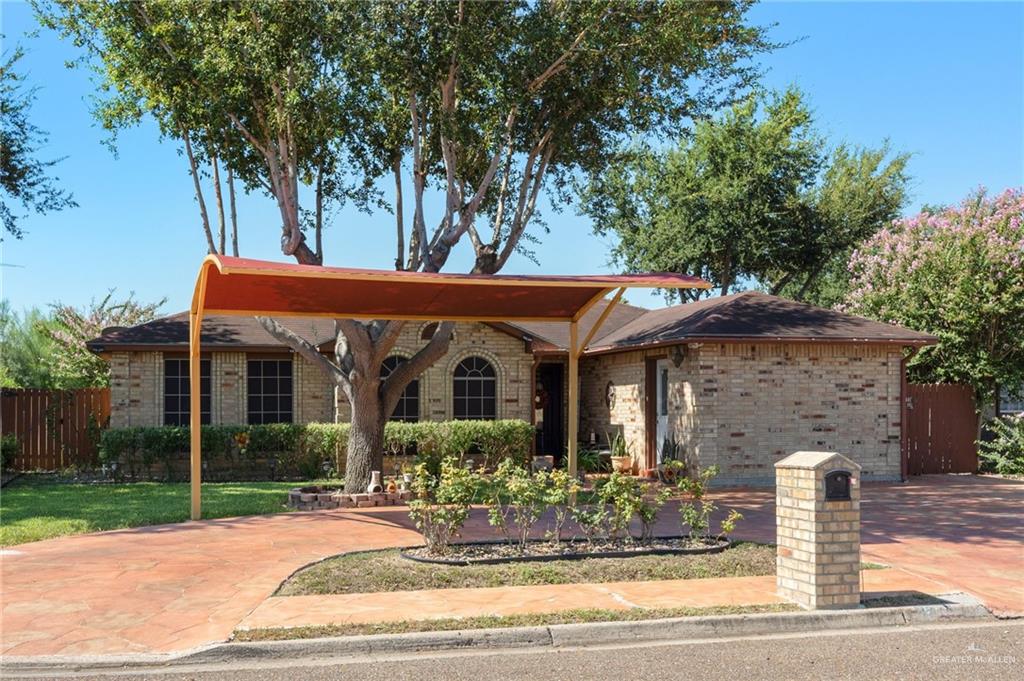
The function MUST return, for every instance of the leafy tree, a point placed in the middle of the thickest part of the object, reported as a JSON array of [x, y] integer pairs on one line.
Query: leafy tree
[[958, 274], [39, 350], [754, 194], [24, 178], [488, 104], [70, 328], [26, 351]]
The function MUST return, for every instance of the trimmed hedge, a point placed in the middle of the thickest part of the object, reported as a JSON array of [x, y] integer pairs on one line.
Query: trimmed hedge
[[287, 450]]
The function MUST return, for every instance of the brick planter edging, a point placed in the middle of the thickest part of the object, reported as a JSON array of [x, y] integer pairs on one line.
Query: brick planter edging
[[320, 498]]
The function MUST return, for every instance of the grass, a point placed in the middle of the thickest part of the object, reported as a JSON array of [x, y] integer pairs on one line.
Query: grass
[[494, 622], [34, 508], [376, 571]]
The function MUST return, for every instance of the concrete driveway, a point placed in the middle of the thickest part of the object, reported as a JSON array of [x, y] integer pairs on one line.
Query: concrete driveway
[[964, 532], [176, 587]]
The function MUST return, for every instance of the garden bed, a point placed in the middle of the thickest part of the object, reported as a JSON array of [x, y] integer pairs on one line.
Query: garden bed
[[497, 552], [387, 570]]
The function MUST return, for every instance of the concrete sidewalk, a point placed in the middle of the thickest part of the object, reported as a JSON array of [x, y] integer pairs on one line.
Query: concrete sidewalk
[[396, 606]]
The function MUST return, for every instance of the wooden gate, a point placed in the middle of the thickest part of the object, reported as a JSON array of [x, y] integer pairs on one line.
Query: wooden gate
[[55, 428], [942, 426]]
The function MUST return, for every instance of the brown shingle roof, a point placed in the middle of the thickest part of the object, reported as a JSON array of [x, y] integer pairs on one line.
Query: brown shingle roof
[[743, 316], [752, 316], [218, 332]]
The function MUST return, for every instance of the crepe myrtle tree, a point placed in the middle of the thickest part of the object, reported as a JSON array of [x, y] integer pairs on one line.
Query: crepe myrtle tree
[[485, 104]]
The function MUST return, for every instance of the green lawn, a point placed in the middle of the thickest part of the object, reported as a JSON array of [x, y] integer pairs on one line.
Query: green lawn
[[386, 570], [38, 508]]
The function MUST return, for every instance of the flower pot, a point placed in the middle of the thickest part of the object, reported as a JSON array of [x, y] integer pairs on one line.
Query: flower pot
[[622, 464]]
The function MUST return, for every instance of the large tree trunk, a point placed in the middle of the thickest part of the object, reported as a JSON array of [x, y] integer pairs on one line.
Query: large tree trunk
[[366, 436]]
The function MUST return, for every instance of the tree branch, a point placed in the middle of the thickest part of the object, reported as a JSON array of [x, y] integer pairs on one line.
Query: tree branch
[[404, 373], [306, 349], [198, 188]]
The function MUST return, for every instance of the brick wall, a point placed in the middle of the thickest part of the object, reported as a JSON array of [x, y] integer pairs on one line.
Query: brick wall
[[137, 381], [136, 389], [512, 363], [745, 406]]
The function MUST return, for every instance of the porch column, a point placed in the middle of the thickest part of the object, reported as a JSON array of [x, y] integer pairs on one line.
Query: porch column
[[194, 415], [574, 396]]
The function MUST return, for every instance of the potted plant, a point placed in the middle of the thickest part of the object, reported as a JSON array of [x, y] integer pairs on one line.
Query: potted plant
[[671, 459], [622, 458], [407, 476]]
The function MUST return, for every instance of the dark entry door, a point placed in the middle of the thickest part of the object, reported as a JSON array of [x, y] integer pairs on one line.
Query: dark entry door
[[551, 438]]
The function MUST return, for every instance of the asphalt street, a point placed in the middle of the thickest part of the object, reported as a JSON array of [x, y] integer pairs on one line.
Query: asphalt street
[[992, 650]]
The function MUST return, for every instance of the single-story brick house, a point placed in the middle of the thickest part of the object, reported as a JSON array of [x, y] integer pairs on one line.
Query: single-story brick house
[[740, 381]]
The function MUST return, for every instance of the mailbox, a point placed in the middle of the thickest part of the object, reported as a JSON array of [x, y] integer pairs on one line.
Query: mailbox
[[837, 486]]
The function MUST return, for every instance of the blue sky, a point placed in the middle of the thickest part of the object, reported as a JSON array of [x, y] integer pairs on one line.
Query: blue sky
[[944, 81]]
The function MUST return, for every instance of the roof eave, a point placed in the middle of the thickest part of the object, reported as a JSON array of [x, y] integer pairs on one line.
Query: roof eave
[[901, 342]]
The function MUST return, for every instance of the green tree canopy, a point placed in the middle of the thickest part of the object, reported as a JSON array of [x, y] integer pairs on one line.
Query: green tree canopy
[[957, 273], [40, 350], [755, 194], [24, 178]]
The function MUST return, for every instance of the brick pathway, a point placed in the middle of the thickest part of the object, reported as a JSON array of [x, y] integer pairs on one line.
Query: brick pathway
[[175, 587]]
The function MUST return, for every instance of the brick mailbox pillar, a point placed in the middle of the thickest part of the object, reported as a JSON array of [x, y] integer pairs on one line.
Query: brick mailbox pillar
[[817, 518]]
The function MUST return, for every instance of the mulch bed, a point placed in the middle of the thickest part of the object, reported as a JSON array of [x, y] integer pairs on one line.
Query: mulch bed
[[496, 552]]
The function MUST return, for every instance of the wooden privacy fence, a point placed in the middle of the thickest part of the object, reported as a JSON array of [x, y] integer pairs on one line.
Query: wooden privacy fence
[[55, 428], [942, 427]]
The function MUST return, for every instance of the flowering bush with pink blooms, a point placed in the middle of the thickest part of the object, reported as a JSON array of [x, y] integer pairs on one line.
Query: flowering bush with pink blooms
[[958, 274]]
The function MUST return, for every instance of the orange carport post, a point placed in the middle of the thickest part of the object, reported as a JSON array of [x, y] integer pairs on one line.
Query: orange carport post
[[244, 287]]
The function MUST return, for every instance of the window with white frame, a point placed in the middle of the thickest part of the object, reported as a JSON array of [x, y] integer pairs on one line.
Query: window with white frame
[[475, 390]]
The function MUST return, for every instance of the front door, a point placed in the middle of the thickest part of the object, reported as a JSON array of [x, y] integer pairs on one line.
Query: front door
[[661, 432], [550, 435]]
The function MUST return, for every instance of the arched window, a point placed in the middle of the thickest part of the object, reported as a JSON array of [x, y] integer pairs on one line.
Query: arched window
[[475, 390], [408, 407]]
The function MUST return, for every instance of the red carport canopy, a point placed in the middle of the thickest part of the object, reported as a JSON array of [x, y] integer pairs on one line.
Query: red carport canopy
[[245, 286], [241, 286]]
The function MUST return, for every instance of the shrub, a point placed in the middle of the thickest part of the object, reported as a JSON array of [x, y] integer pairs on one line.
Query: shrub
[[514, 493], [591, 519], [623, 494], [1004, 453], [302, 450], [442, 502], [559, 494], [8, 450], [696, 509]]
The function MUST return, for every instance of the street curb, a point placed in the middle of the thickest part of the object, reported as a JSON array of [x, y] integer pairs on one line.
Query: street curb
[[958, 607]]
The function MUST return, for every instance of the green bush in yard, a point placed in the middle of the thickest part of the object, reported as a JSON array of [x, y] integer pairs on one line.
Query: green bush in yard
[[8, 450], [1004, 453], [302, 449]]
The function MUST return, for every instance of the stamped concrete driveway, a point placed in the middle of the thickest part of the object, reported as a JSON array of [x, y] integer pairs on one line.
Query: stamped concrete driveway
[[965, 532], [176, 587]]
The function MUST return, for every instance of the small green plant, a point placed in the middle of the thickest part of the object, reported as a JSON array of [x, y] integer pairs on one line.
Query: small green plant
[[695, 510], [591, 519], [514, 494], [618, 444], [622, 493], [1004, 452], [559, 494], [8, 450], [441, 505], [647, 509], [729, 523], [591, 461]]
